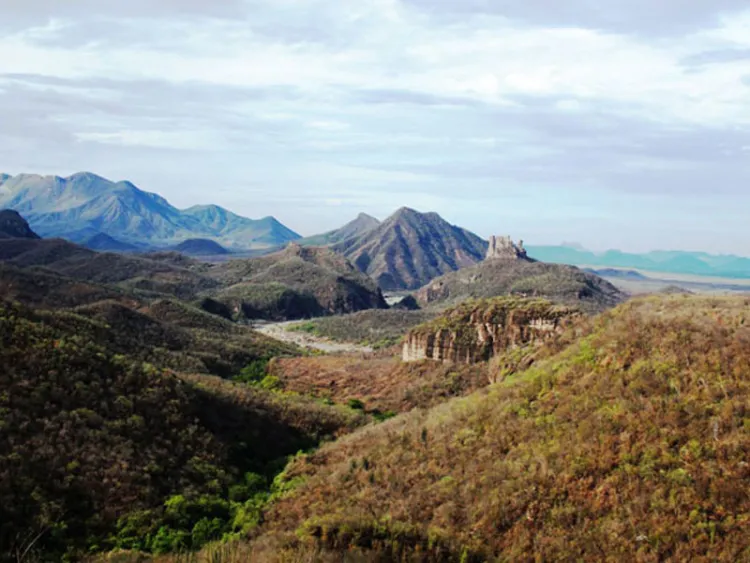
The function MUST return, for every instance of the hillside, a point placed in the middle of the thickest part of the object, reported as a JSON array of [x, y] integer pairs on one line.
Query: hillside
[[99, 450], [364, 223], [201, 247], [629, 444], [410, 248], [126, 271], [12, 225], [297, 282], [491, 278], [105, 243], [84, 205]]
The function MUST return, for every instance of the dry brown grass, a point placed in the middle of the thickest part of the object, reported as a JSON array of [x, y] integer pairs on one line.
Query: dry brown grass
[[383, 383], [631, 444]]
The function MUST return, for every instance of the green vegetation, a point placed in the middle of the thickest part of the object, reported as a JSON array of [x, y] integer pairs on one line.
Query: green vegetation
[[99, 449], [627, 443]]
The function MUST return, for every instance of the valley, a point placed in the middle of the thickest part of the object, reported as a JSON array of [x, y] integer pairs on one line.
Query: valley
[[389, 391]]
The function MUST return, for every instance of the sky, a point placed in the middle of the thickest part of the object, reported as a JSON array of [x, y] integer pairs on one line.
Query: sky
[[619, 124]]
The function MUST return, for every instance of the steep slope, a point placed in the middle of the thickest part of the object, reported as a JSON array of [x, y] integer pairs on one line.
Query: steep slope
[[630, 444], [364, 223], [12, 225], [491, 278], [99, 450], [296, 283], [85, 205], [477, 331], [410, 248]]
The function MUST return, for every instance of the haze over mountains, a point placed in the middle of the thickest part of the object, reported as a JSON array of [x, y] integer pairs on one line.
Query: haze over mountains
[[405, 251], [84, 205]]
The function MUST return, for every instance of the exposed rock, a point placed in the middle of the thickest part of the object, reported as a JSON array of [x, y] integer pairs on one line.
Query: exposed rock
[[504, 248], [478, 330]]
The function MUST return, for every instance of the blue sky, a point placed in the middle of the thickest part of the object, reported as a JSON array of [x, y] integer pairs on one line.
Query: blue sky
[[618, 124]]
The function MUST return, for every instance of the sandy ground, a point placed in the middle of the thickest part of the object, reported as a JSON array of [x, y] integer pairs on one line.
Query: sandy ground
[[280, 331]]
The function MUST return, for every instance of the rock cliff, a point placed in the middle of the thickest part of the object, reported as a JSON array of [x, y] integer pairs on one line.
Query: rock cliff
[[478, 330], [505, 249]]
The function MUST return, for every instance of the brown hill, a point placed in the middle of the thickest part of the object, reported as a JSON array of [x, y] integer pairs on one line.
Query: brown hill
[[297, 282], [492, 278], [410, 248], [630, 444]]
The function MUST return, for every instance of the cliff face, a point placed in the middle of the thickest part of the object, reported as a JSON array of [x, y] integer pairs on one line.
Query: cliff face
[[478, 330]]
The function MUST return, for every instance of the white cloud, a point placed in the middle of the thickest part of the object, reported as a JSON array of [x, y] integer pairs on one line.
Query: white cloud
[[414, 98]]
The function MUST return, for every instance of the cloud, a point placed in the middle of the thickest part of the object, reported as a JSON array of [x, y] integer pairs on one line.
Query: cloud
[[478, 109]]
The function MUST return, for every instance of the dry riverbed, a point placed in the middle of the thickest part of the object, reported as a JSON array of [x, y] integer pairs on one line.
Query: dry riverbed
[[282, 332]]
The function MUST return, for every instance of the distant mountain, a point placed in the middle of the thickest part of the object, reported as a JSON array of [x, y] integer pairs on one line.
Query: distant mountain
[[106, 243], [201, 247], [364, 223], [672, 262], [84, 205], [631, 275], [241, 232], [410, 248], [12, 225]]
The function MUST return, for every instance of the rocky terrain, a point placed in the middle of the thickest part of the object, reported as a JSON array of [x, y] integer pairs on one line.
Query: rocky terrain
[[512, 273], [476, 331], [410, 248]]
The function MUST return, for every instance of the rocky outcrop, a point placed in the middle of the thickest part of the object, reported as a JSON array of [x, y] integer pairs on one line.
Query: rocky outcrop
[[478, 330], [504, 248]]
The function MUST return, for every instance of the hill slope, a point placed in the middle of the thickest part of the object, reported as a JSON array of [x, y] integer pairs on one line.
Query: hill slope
[[492, 278], [297, 282], [364, 223], [12, 225], [630, 444], [410, 248], [84, 205], [99, 450], [200, 247]]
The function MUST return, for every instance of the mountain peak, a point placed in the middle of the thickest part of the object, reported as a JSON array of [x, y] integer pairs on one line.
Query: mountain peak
[[87, 177], [411, 248]]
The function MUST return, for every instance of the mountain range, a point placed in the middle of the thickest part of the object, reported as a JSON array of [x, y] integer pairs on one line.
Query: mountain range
[[664, 261], [84, 206]]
